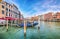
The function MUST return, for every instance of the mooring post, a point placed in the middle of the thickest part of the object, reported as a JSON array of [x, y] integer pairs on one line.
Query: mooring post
[[24, 27], [7, 25], [11, 24]]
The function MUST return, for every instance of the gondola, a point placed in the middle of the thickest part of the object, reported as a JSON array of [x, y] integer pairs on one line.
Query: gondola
[[28, 24]]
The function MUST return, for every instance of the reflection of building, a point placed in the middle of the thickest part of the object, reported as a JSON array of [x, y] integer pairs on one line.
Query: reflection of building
[[9, 10]]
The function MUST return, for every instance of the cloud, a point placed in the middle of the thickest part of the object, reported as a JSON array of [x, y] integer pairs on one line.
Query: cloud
[[12, 2], [46, 6], [38, 8]]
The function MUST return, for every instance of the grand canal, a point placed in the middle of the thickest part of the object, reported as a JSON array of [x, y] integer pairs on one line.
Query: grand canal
[[48, 30]]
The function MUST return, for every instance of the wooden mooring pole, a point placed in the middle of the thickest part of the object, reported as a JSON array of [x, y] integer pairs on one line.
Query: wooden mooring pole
[[24, 27], [7, 25]]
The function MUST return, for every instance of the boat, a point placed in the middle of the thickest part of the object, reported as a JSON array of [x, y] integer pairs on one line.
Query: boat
[[28, 24]]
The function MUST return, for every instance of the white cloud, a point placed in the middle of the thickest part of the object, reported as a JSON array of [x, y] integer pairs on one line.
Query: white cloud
[[49, 5], [12, 2]]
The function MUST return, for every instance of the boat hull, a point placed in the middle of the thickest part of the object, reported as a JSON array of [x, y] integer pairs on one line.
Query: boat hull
[[28, 24]]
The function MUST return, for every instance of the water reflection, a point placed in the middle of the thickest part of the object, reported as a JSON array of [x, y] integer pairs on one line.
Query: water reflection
[[25, 36], [48, 30]]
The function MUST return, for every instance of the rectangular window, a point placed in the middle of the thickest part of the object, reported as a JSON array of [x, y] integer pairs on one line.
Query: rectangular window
[[2, 6], [7, 9], [9, 14], [6, 13], [2, 12], [9, 5], [15, 16], [6, 4]]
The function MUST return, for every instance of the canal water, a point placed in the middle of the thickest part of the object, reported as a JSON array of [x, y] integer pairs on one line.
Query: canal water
[[48, 30]]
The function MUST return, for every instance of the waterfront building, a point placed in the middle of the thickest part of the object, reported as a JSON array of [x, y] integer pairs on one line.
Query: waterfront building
[[21, 18], [9, 10], [41, 17], [35, 18], [56, 16], [48, 16]]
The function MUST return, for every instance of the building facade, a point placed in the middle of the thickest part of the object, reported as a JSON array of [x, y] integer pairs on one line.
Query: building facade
[[48, 16], [56, 16], [52, 16], [41, 17], [35, 18], [9, 10]]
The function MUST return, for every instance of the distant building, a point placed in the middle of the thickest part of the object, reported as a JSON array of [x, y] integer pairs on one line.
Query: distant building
[[41, 17], [48, 16], [35, 18], [56, 16]]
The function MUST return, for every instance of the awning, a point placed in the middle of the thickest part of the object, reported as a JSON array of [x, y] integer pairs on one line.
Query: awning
[[9, 18], [20, 19], [2, 19]]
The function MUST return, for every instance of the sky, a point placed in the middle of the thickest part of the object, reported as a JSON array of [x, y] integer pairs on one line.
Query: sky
[[36, 7]]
